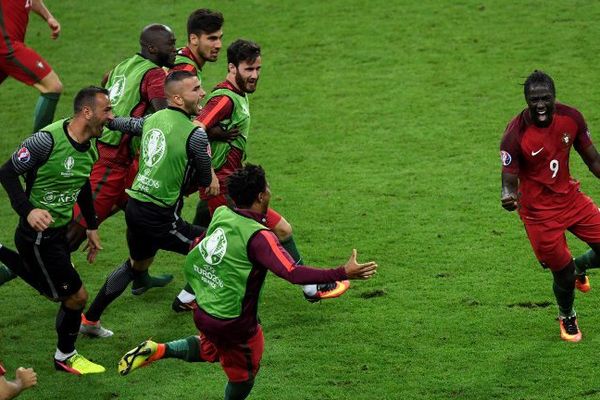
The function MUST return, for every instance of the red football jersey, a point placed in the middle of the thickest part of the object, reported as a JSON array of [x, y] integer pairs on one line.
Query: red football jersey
[[14, 16], [540, 158]]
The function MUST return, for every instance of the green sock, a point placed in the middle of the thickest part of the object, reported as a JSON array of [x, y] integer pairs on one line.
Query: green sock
[[290, 245], [44, 110], [6, 274], [238, 390], [587, 260], [564, 299], [187, 349]]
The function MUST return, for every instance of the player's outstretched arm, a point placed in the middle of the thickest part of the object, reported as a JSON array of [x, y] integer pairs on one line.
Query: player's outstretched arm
[[510, 184], [591, 158], [129, 125], [355, 270], [40, 9]]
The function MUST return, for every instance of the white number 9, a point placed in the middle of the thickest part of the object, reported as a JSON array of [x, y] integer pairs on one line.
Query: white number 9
[[554, 165]]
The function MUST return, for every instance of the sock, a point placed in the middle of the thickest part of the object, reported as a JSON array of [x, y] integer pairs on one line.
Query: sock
[[587, 260], [60, 356], [44, 110], [6, 274], [67, 327], [238, 390], [202, 217], [187, 349], [290, 245], [187, 294], [564, 290], [115, 284], [145, 280]]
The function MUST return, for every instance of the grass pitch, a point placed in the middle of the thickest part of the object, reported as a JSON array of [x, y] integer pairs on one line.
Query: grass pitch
[[378, 124]]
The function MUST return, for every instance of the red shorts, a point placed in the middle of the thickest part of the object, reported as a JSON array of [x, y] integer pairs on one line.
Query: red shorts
[[23, 64], [548, 240], [108, 190], [240, 361]]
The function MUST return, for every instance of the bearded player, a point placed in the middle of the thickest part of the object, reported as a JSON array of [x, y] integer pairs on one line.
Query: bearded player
[[228, 106]]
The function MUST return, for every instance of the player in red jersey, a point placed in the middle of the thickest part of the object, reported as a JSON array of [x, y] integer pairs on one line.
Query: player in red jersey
[[137, 88], [23, 63], [536, 181]]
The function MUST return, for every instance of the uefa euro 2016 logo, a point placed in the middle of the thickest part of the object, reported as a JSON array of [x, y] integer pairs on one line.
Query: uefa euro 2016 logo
[[212, 248], [153, 147], [116, 89]]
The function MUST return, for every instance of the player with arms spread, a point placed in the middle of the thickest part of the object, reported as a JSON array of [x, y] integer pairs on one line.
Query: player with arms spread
[[536, 180], [56, 163], [227, 270], [23, 63]]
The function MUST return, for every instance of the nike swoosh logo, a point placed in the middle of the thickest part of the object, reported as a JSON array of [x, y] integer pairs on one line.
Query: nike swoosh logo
[[535, 153]]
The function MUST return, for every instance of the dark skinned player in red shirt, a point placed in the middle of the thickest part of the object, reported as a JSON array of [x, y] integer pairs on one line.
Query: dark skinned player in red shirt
[[536, 181], [22, 62]]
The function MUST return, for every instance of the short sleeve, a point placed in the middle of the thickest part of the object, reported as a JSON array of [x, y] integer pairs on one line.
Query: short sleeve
[[510, 147], [155, 84], [582, 136]]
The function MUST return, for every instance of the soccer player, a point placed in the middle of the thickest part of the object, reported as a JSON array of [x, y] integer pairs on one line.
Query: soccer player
[[227, 270], [136, 87], [536, 180], [228, 106], [174, 156], [205, 39], [57, 162], [24, 379], [23, 63]]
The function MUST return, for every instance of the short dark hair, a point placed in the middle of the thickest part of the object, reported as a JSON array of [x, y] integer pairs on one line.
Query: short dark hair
[[245, 184], [178, 75], [87, 97], [242, 50], [539, 77], [204, 20]]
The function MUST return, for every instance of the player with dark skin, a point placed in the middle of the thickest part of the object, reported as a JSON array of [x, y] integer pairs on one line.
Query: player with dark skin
[[157, 44], [538, 159]]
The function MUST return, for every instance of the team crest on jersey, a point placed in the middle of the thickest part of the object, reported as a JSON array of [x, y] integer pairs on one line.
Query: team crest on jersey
[[212, 248], [115, 91], [566, 139], [23, 155], [505, 157], [154, 147]]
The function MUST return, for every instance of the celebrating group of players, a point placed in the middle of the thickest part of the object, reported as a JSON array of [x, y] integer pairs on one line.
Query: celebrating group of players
[[140, 143]]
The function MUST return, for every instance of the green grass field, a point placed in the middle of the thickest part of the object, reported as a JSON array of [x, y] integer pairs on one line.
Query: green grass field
[[378, 124]]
